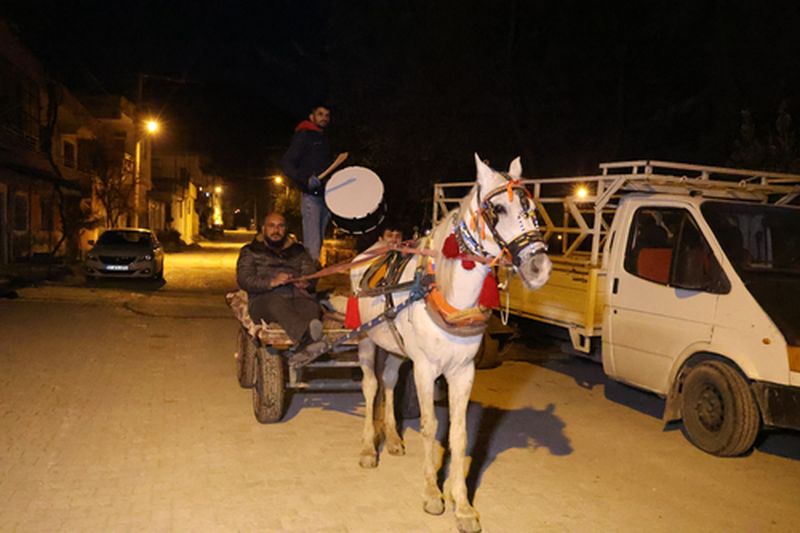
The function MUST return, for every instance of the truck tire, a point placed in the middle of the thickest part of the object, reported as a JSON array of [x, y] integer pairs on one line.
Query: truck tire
[[245, 359], [720, 414], [408, 404], [269, 393], [488, 355]]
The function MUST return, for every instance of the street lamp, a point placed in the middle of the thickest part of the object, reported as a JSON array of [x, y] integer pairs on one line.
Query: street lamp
[[151, 127], [217, 205]]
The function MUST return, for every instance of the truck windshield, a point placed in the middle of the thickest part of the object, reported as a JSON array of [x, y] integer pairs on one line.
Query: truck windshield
[[757, 238], [763, 244]]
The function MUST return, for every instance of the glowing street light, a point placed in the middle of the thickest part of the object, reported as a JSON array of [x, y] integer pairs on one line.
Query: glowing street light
[[152, 126], [218, 189], [582, 192], [278, 180]]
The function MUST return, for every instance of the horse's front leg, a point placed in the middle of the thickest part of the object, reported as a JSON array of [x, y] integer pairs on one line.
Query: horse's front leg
[[432, 496], [368, 457], [459, 383], [394, 443]]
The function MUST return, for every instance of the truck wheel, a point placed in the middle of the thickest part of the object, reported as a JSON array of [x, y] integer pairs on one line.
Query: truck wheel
[[720, 414], [488, 355], [269, 393], [407, 389], [245, 360]]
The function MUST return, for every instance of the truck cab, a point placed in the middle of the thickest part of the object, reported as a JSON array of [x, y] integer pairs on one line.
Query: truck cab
[[701, 309]]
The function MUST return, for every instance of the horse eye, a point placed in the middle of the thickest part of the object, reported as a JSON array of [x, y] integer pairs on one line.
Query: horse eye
[[499, 210]]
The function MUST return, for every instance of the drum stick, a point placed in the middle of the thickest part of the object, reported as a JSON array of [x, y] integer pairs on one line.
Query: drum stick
[[338, 161]]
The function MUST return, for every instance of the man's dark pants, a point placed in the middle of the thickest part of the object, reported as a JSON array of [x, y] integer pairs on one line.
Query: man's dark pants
[[292, 313]]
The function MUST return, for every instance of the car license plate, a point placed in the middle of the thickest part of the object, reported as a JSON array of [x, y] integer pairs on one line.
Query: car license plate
[[117, 267]]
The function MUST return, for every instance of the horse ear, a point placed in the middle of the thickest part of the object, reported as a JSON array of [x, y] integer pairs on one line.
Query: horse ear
[[485, 174], [515, 168]]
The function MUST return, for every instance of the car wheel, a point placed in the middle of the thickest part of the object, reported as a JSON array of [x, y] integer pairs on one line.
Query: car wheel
[[720, 415]]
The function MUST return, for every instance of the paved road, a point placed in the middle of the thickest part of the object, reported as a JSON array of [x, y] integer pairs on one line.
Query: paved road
[[119, 411]]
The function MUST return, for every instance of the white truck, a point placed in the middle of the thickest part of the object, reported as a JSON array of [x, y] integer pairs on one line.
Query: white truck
[[684, 280]]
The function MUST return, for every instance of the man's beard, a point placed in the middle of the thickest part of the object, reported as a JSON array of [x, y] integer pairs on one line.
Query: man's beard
[[275, 244]]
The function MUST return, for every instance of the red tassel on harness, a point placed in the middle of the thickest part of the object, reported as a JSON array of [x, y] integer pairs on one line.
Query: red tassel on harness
[[450, 247], [467, 264], [490, 296], [352, 319]]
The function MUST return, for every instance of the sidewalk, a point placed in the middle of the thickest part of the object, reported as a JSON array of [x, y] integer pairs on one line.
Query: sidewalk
[[18, 275]]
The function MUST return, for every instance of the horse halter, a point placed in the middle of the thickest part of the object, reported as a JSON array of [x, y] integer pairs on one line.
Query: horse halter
[[488, 213]]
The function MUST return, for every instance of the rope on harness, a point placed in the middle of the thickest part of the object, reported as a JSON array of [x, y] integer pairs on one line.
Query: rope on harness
[[418, 291]]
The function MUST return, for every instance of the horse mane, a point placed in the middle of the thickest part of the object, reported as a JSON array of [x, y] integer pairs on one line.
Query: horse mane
[[445, 269]]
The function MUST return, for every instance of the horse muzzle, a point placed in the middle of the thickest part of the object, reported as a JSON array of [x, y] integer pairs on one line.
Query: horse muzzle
[[533, 265]]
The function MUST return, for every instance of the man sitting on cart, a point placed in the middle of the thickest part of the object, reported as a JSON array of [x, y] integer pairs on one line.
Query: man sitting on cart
[[264, 270]]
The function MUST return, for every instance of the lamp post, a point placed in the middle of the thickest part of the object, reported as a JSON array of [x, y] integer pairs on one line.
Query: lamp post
[[151, 127]]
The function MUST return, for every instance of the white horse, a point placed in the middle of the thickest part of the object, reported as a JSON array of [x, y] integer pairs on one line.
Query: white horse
[[442, 333]]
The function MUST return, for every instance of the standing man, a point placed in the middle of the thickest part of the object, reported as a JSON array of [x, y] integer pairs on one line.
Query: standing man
[[263, 270], [307, 157]]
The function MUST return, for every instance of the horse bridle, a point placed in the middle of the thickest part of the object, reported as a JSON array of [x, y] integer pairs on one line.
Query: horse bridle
[[486, 210]]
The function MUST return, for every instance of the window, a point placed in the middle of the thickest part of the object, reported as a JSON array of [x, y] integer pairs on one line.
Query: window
[[20, 212], [69, 154], [122, 238], [667, 247], [46, 206], [19, 102], [649, 252]]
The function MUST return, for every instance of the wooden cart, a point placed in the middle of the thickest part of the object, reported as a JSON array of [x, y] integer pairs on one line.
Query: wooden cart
[[261, 364]]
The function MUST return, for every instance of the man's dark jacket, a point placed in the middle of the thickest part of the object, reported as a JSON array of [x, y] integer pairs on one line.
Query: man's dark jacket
[[258, 265], [308, 155]]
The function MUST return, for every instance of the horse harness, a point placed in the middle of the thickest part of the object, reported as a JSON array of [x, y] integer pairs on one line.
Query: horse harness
[[383, 275]]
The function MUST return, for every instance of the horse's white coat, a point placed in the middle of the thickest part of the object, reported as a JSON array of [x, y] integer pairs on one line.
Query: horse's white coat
[[436, 352]]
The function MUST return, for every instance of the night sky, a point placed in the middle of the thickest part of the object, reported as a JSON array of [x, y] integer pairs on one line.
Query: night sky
[[416, 87]]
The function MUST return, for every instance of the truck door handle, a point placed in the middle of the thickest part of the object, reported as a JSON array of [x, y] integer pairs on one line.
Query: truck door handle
[[615, 286]]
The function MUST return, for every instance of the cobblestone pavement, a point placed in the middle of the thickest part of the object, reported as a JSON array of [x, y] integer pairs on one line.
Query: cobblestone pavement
[[120, 411]]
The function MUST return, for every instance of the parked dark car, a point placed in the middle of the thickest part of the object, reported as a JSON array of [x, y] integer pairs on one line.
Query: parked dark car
[[129, 252]]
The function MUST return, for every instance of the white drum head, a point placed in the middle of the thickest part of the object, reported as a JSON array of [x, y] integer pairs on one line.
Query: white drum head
[[354, 192]]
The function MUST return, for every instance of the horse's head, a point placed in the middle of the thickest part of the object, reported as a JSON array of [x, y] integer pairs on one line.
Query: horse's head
[[504, 207]]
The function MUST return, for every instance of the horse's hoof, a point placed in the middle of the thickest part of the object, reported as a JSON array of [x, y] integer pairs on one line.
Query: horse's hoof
[[396, 448], [468, 524], [368, 461], [434, 506]]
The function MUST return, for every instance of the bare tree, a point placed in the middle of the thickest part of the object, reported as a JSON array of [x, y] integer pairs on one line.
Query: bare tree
[[113, 187]]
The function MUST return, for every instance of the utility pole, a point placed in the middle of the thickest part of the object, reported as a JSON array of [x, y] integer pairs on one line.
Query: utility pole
[[142, 140]]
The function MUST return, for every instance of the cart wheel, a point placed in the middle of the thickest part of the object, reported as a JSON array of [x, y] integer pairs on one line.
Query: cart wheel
[[269, 393], [245, 359]]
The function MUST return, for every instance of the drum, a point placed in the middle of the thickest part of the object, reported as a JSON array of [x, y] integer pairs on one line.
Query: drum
[[354, 196]]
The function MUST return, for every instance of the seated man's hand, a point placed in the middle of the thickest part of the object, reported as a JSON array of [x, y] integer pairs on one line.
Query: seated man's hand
[[280, 278], [302, 284]]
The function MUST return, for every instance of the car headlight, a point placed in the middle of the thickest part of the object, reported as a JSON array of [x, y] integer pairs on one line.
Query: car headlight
[[147, 257]]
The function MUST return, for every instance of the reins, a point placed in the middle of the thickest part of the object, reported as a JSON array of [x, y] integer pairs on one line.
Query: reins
[[403, 248]]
